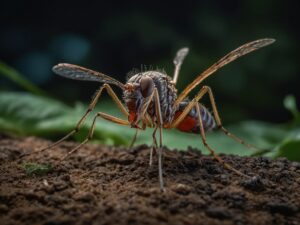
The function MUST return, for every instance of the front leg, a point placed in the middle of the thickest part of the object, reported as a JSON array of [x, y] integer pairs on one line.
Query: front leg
[[158, 123], [91, 131], [88, 111], [160, 126]]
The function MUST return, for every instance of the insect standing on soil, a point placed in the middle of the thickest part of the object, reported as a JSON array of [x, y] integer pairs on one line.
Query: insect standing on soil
[[151, 101]]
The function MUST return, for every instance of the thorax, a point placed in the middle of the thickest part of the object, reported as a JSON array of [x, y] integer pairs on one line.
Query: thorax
[[166, 91]]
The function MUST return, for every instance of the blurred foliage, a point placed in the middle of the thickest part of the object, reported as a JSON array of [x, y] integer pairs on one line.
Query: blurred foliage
[[115, 38], [19, 79], [36, 169], [27, 114]]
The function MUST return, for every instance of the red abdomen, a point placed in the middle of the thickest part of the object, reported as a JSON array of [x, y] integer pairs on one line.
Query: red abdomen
[[191, 122], [187, 124]]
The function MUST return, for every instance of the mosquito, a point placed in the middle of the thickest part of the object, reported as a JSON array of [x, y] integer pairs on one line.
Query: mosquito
[[151, 100]]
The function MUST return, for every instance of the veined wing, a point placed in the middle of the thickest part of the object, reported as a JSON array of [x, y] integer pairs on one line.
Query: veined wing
[[80, 73], [240, 51]]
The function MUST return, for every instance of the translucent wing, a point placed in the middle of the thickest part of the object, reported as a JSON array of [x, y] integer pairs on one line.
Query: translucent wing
[[242, 50], [81, 73]]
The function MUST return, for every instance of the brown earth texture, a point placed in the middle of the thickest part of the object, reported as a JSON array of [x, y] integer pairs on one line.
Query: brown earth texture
[[115, 185]]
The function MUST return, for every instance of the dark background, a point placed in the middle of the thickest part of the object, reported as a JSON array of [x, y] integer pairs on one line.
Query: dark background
[[115, 37]]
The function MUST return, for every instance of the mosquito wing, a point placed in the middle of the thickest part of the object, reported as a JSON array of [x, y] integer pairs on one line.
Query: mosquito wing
[[80, 73], [240, 51]]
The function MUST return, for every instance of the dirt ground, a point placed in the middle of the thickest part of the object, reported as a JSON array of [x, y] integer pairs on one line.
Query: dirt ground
[[110, 185]]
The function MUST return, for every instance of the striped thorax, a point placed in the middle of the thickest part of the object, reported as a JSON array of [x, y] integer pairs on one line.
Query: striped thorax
[[138, 90]]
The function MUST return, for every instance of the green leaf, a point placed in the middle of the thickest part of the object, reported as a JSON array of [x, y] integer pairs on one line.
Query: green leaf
[[21, 112], [290, 147], [19, 79], [290, 150], [290, 104], [27, 114]]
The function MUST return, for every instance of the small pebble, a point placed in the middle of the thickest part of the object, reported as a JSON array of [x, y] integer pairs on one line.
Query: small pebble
[[181, 189], [254, 184]]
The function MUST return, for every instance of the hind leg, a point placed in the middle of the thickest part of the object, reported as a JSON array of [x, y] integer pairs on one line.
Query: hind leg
[[201, 93], [219, 123], [203, 136], [192, 104]]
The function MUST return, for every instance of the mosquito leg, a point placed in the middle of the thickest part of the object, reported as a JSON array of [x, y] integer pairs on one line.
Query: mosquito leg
[[151, 156], [219, 123], [226, 165], [160, 171], [160, 126], [160, 123], [134, 138], [194, 103], [154, 146], [90, 108], [147, 120], [201, 93], [91, 131]]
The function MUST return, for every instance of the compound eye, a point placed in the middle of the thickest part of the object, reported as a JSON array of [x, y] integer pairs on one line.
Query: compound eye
[[147, 86]]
